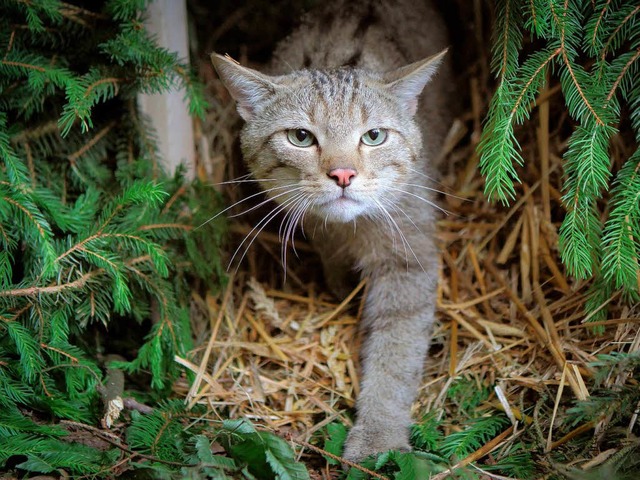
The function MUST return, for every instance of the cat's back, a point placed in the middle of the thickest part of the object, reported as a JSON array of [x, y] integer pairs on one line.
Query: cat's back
[[377, 35]]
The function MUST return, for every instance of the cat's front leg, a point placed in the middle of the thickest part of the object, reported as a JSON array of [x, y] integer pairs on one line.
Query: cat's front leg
[[398, 319]]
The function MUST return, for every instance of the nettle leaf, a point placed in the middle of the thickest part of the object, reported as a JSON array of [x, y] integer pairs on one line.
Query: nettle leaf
[[238, 427], [252, 453], [264, 453], [286, 469], [213, 465], [404, 462], [334, 442], [407, 463], [355, 474]]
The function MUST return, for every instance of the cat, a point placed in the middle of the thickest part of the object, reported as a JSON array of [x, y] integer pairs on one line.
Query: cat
[[341, 136]]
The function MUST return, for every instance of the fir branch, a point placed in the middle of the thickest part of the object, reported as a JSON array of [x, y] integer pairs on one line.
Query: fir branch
[[15, 168], [577, 239], [508, 38], [61, 352], [40, 224], [614, 35], [178, 193], [91, 143], [622, 229], [594, 25], [572, 73], [30, 165], [36, 132], [68, 7], [476, 433], [510, 104], [23, 65], [76, 284], [116, 443], [534, 16], [570, 68], [599, 21], [164, 226], [98, 83], [621, 75], [81, 246], [526, 89]]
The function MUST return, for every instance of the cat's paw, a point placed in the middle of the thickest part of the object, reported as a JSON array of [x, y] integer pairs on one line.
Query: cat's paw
[[363, 441]]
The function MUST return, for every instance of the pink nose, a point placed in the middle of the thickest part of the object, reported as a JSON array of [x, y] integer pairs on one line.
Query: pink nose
[[342, 176]]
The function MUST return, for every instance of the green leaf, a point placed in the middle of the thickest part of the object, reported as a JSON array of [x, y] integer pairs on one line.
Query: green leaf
[[334, 441], [286, 469], [407, 463], [238, 426]]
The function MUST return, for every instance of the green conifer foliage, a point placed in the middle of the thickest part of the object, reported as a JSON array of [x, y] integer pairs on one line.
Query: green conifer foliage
[[593, 48], [93, 237]]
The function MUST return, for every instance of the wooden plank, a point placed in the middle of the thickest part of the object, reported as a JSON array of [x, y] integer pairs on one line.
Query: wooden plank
[[167, 21]]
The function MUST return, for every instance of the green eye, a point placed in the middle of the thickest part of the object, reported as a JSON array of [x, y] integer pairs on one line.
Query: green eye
[[374, 137], [301, 138]]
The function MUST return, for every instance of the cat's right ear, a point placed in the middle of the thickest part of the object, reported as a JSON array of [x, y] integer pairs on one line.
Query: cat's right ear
[[248, 87], [407, 82]]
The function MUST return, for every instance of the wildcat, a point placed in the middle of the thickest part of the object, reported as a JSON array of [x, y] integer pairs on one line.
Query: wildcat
[[340, 135]]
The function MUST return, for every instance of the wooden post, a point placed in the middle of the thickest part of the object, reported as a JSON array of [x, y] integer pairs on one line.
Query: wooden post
[[167, 21]]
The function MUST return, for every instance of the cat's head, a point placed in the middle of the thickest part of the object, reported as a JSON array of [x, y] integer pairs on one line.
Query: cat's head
[[336, 143]]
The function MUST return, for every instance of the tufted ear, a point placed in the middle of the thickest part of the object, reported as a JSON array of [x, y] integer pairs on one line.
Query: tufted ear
[[248, 87], [407, 82]]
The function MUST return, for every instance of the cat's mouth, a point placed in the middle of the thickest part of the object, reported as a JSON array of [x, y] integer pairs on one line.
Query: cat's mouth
[[343, 199], [340, 209]]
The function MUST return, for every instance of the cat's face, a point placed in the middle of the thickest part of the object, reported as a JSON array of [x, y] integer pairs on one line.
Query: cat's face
[[337, 144]]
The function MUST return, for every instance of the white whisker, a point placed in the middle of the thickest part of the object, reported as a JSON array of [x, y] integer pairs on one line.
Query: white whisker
[[396, 208], [260, 226], [386, 218], [242, 201], [283, 231], [296, 210], [433, 190], [242, 180], [265, 201], [403, 238], [432, 179], [421, 198]]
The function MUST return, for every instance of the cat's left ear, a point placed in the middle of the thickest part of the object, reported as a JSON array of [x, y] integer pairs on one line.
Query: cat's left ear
[[407, 82], [249, 88]]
